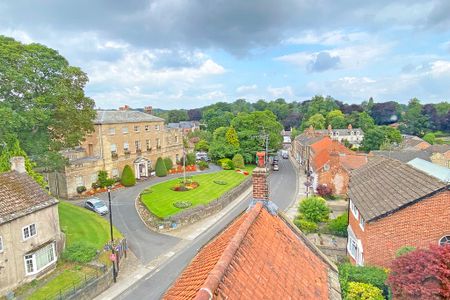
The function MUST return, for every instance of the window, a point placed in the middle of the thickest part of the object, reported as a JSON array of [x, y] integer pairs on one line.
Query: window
[[1, 244], [445, 240], [79, 180], [147, 144], [125, 130], [158, 143], [112, 131], [115, 173], [352, 132], [137, 144], [40, 259], [176, 139], [157, 127], [29, 231], [94, 177], [147, 128], [126, 146], [136, 128], [113, 148], [354, 210], [357, 133], [361, 222], [352, 247]]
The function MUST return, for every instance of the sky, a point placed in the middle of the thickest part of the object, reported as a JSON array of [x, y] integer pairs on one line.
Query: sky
[[190, 53]]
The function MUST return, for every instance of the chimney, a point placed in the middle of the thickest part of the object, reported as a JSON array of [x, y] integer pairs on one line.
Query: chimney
[[350, 127], [125, 107], [18, 164], [148, 110], [259, 179]]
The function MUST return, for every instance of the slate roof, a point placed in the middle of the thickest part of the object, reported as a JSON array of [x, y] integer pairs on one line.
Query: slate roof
[[306, 139], [123, 116], [404, 155], [385, 185], [344, 131], [258, 256], [20, 195], [438, 148], [410, 142]]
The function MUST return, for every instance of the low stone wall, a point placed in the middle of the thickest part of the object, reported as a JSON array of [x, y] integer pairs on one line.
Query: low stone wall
[[194, 214]]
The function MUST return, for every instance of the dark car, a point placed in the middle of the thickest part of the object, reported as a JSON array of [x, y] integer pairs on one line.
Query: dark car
[[275, 160], [96, 205]]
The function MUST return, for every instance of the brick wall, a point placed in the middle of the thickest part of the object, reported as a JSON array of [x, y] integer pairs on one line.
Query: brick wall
[[418, 225]]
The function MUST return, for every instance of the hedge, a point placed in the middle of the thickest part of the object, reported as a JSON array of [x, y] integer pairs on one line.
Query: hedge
[[168, 163], [128, 178], [160, 168]]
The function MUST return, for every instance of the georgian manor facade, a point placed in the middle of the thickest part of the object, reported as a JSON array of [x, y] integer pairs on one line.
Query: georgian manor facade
[[122, 137]]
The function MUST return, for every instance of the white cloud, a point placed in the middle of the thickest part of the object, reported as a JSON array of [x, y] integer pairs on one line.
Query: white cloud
[[246, 88], [330, 38], [281, 92]]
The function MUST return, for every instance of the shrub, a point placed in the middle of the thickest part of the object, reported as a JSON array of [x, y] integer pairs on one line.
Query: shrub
[[305, 225], [190, 159], [203, 165], [103, 180], [81, 189], [182, 204], [202, 145], [404, 250], [79, 251], [95, 185], [160, 168], [339, 225], [128, 178], [324, 191], [422, 274], [363, 291], [168, 163], [370, 275], [226, 163], [430, 138], [314, 209], [238, 161]]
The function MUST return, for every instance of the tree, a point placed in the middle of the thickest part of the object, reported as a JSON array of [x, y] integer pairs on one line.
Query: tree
[[314, 209], [194, 114], [317, 121], [168, 163], [232, 137], [177, 115], [128, 178], [202, 145], [422, 274], [381, 135], [336, 119], [217, 118], [318, 105], [103, 180], [429, 138], [365, 121], [415, 122], [160, 168], [44, 91], [385, 113], [219, 147], [238, 161]]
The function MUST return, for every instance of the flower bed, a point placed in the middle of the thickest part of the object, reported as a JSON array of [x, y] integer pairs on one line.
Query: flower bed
[[242, 172], [183, 187], [179, 169]]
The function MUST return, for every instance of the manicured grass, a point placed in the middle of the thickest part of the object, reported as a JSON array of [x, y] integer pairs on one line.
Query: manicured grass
[[80, 224], [75, 276], [160, 200]]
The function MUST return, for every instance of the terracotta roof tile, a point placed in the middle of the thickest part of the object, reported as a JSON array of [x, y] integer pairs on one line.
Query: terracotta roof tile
[[258, 256], [21, 195]]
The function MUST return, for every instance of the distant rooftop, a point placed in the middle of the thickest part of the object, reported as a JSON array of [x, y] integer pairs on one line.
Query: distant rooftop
[[437, 171], [124, 116]]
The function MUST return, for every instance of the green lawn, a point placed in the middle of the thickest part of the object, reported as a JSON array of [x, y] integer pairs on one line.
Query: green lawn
[[80, 224], [160, 200]]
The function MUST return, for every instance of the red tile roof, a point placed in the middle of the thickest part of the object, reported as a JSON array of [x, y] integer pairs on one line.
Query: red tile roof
[[318, 146], [258, 256]]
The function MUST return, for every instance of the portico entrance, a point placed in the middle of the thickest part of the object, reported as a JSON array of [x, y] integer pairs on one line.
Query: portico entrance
[[141, 167]]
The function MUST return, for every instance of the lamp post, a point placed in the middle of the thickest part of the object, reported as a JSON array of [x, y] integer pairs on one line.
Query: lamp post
[[113, 255]]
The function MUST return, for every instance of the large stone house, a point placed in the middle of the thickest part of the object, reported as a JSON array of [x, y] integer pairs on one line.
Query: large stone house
[[392, 205], [260, 255], [352, 135], [30, 238], [120, 137]]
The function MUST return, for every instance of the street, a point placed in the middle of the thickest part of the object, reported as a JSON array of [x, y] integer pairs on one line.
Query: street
[[282, 186]]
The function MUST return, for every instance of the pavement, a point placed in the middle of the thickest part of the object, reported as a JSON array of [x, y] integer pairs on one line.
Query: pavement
[[164, 256], [292, 210]]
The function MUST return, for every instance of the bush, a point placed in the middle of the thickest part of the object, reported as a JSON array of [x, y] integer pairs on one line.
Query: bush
[[363, 291], [168, 163], [203, 165], [160, 168], [202, 145], [103, 180], [422, 274], [430, 138], [81, 252], [314, 209], [190, 159], [305, 226], [324, 191], [128, 178], [81, 189], [339, 225], [182, 204], [238, 161], [370, 275], [226, 163], [404, 250]]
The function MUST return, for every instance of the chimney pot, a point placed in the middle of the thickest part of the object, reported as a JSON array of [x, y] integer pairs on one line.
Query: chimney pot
[[148, 110], [350, 127], [18, 164]]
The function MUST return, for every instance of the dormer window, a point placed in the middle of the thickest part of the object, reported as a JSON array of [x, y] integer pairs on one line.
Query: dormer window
[[445, 240]]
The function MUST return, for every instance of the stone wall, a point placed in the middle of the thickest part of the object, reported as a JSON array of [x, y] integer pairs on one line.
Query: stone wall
[[93, 287]]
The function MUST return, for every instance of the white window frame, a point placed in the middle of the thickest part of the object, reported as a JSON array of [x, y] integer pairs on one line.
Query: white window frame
[[126, 146], [125, 130], [157, 127], [352, 242], [32, 258], [354, 210], [28, 227], [112, 131], [362, 222], [113, 148], [2, 248]]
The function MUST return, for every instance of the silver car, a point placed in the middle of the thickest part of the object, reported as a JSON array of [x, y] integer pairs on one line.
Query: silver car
[[96, 205]]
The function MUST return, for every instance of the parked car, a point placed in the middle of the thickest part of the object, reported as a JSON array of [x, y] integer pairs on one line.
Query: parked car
[[284, 154], [202, 156], [275, 160], [96, 205], [275, 167]]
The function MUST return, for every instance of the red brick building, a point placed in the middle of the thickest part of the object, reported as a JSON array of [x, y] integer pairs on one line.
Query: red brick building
[[260, 255], [393, 205]]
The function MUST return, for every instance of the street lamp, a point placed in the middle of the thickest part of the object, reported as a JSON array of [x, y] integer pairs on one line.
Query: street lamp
[[113, 255]]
